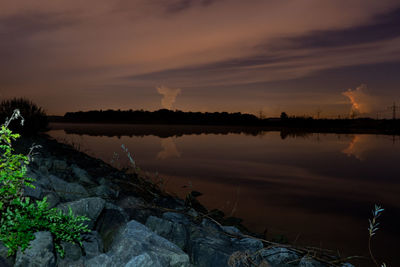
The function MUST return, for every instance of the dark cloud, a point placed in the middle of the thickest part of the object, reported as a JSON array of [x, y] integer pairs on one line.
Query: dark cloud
[[382, 27], [182, 5]]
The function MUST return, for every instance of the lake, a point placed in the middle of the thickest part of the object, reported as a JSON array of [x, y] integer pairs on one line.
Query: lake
[[315, 189]]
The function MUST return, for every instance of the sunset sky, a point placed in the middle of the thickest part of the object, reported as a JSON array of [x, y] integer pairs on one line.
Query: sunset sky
[[299, 56]]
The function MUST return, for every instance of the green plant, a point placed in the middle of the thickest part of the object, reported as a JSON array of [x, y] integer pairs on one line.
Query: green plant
[[373, 227], [20, 218], [35, 117]]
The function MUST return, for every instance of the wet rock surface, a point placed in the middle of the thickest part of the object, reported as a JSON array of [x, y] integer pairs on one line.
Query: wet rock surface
[[132, 223]]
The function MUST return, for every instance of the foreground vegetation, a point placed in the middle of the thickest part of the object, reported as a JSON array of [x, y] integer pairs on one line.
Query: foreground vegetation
[[21, 217]]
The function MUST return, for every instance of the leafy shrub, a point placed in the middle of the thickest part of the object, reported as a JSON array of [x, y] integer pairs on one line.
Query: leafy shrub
[[35, 118], [19, 217]]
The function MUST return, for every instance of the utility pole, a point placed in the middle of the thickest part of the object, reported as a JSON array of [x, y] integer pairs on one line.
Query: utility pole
[[393, 108]]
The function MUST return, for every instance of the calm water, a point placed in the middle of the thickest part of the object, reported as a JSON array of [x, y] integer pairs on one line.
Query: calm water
[[318, 189]]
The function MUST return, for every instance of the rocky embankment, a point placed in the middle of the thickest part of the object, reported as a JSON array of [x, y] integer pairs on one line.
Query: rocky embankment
[[133, 223]]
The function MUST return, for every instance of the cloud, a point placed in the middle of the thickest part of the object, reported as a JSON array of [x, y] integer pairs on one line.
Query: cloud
[[361, 101], [169, 96], [65, 46]]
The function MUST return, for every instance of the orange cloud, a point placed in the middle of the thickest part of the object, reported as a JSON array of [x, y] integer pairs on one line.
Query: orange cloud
[[169, 96], [361, 102]]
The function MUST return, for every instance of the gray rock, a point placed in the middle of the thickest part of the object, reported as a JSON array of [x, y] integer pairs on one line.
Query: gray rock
[[174, 232], [135, 243], [59, 165], [92, 244], [43, 181], [279, 256], [144, 260], [72, 252], [310, 262], [111, 219], [71, 263], [249, 244], [231, 230], [105, 192], [40, 252], [47, 163], [90, 207], [53, 199], [4, 260], [67, 191], [102, 260], [209, 246], [43, 169], [176, 217], [210, 251], [35, 193], [135, 208], [82, 175]]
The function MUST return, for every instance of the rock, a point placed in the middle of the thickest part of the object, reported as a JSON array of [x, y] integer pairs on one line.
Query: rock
[[90, 207], [136, 243], [249, 244], [70, 263], [40, 253], [92, 244], [105, 192], [59, 165], [67, 191], [176, 217], [43, 169], [135, 208], [173, 231], [4, 260], [102, 260], [210, 251], [35, 193], [279, 256], [110, 220], [209, 246], [72, 252], [231, 230], [53, 199], [82, 175], [310, 262]]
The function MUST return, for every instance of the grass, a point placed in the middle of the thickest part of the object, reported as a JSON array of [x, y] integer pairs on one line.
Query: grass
[[373, 227]]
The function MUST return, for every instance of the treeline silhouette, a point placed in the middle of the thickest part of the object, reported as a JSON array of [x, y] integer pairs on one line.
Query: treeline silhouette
[[285, 123], [162, 116]]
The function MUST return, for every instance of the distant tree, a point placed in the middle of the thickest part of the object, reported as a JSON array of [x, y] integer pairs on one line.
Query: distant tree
[[284, 116]]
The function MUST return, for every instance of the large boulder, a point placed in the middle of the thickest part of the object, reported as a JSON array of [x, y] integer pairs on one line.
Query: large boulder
[[82, 175], [136, 245], [90, 207], [67, 191], [174, 232], [109, 222], [135, 208], [40, 252]]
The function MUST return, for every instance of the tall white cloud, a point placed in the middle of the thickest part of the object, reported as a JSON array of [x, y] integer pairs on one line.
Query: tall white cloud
[[169, 96]]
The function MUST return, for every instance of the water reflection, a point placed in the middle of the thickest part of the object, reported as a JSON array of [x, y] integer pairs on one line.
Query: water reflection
[[359, 147], [169, 149], [319, 185]]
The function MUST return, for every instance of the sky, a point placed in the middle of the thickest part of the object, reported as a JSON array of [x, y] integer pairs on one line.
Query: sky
[[304, 57]]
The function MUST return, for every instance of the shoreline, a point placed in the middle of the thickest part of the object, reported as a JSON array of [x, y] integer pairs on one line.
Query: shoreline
[[144, 189]]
